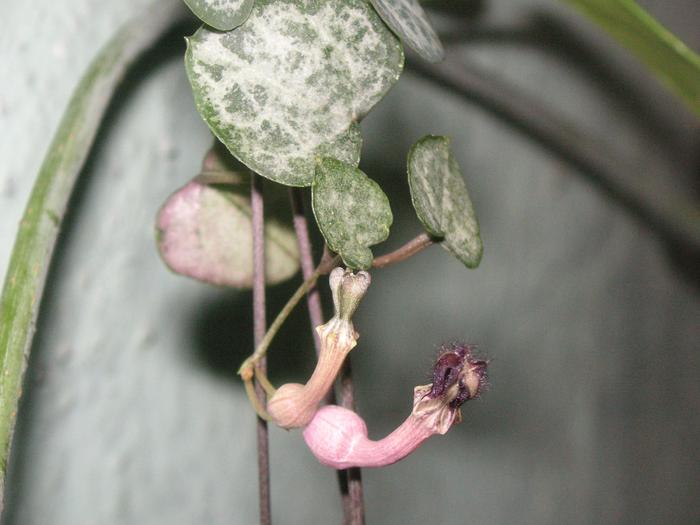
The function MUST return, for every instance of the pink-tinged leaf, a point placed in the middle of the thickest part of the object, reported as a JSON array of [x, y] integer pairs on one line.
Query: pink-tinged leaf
[[204, 232]]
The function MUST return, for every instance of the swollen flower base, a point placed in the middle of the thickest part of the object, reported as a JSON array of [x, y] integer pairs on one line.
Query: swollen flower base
[[338, 436], [293, 405]]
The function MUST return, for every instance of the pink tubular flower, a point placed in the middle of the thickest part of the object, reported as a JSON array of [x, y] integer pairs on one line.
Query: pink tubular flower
[[338, 436], [293, 405]]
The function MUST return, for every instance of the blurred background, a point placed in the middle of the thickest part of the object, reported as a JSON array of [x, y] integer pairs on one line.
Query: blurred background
[[588, 306]]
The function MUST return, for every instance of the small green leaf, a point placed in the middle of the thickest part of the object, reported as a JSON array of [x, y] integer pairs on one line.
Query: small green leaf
[[290, 84], [223, 15], [441, 199], [666, 55], [351, 210], [408, 20], [204, 228]]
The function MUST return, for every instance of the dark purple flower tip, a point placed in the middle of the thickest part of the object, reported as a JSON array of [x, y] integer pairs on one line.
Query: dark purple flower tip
[[458, 375]]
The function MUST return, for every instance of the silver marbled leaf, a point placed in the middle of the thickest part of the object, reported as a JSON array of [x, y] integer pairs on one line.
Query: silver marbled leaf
[[289, 85], [351, 210], [441, 199], [410, 22], [223, 15]]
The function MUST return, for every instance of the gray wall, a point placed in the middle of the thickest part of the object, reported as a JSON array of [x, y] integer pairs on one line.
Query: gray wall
[[133, 414]]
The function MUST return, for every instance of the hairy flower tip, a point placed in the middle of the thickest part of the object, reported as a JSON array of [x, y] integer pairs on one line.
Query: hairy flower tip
[[458, 375]]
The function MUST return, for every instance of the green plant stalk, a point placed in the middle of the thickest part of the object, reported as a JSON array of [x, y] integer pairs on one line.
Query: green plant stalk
[[39, 227], [406, 251], [261, 349], [664, 53]]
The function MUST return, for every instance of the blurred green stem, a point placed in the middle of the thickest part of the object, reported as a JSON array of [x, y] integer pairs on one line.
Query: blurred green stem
[[662, 52], [39, 227]]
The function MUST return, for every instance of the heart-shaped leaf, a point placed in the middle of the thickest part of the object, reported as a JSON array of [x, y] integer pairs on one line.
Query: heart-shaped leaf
[[351, 210], [223, 15], [441, 199], [408, 20], [290, 84], [204, 228]]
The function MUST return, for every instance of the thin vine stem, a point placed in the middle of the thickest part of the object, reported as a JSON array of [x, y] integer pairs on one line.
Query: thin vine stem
[[313, 297], [355, 507], [266, 341], [301, 228], [264, 382], [259, 322], [411, 248], [252, 394], [253, 368]]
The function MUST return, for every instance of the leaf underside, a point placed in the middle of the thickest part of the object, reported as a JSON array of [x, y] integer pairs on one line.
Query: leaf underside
[[289, 85], [204, 228], [410, 22], [223, 15], [441, 200], [351, 210]]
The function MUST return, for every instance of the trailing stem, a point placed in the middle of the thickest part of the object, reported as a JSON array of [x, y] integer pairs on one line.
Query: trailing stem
[[328, 262], [256, 198], [293, 405], [301, 228], [247, 367], [313, 302], [356, 507], [411, 248]]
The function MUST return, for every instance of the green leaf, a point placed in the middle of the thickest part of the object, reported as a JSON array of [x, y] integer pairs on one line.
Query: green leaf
[[408, 20], [666, 55], [441, 199], [351, 210], [38, 230], [223, 15], [290, 84], [204, 228]]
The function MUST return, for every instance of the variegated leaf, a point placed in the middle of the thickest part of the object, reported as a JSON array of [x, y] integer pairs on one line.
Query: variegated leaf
[[223, 15], [408, 20], [351, 210], [441, 199], [290, 85]]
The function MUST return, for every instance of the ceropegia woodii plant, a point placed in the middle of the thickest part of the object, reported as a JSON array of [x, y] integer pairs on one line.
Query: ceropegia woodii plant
[[283, 85]]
